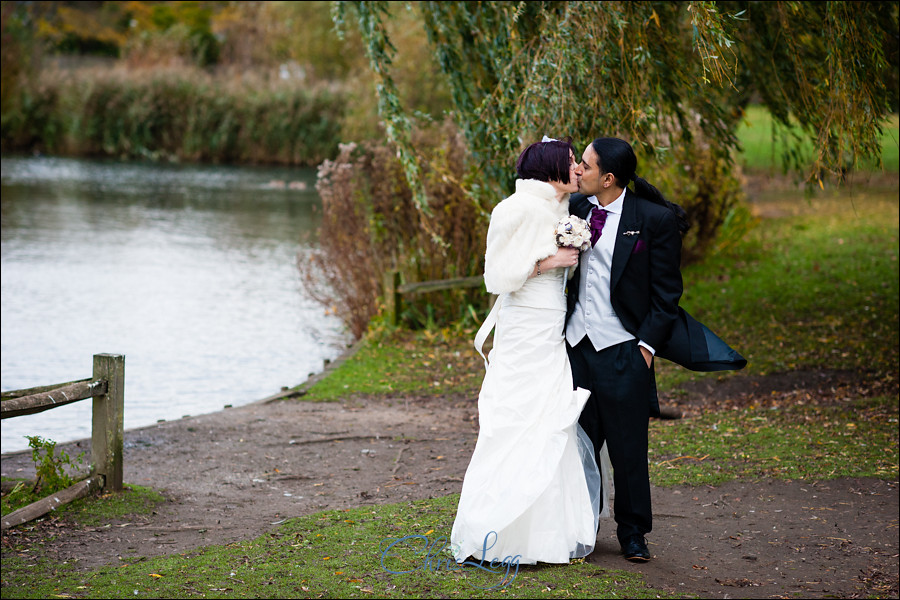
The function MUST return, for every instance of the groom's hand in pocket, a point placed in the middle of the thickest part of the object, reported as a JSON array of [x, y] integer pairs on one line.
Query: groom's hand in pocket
[[648, 356]]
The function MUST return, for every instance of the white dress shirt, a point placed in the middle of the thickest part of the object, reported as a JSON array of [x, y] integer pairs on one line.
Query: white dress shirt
[[594, 316]]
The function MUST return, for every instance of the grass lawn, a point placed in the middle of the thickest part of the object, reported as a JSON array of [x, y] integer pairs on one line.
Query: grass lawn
[[333, 554], [762, 152], [813, 285]]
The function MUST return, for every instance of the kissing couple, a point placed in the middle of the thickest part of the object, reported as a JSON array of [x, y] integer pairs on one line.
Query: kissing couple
[[570, 386]]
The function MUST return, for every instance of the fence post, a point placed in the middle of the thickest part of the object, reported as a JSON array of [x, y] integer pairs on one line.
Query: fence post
[[108, 420], [392, 296]]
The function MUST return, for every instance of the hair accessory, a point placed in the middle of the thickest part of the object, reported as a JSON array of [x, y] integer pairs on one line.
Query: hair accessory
[[548, 139]]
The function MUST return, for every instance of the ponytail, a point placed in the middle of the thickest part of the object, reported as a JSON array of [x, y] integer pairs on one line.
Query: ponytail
[[616, 156]]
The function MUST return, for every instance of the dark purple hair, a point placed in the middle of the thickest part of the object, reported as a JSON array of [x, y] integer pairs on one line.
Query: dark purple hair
[[546, 161]]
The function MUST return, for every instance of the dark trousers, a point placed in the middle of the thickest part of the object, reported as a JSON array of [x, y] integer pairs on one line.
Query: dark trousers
[[618, 412]]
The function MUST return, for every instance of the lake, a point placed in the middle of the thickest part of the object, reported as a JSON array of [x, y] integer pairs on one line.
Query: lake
[[189, 271]]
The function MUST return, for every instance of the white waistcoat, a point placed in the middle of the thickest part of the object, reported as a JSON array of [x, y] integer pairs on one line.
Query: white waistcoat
[[594, 316]]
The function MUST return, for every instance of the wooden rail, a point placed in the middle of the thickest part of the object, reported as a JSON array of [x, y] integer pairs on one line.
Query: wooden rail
[[107, 388], [394, 291], [40, 508], [60, 396]]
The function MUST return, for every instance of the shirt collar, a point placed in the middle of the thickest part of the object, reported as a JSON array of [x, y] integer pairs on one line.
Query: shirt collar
[[614, 207]]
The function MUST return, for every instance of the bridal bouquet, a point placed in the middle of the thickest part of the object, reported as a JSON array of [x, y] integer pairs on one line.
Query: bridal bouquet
[[573, 232]]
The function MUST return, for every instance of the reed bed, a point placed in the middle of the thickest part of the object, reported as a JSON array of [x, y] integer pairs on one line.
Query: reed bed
[[177, 114]]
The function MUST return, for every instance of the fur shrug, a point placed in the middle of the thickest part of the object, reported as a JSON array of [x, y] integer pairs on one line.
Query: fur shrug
[[521, 232]]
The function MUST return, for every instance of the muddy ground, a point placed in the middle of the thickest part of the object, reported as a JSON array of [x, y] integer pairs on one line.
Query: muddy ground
[[233, 475]]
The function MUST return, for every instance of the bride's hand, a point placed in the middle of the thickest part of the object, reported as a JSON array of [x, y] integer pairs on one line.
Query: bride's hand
[[564, 257]]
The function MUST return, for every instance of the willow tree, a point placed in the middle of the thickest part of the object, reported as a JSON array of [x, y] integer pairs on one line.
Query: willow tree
[[672, 77]]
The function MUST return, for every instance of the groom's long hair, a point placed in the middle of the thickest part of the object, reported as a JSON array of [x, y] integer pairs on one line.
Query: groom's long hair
[[616, 156]]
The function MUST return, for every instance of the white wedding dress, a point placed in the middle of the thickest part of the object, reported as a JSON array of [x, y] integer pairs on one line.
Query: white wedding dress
[[532, 489]]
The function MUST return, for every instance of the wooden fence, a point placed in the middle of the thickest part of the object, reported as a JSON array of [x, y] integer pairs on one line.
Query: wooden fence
[[394, 292], [107, 388]]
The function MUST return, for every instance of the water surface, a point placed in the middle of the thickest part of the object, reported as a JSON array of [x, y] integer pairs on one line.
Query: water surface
[[189, 271]]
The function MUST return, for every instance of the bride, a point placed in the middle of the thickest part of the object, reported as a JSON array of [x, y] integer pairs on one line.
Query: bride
[[532, 489]]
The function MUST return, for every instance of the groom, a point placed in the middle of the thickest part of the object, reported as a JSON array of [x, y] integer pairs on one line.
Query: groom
[[622, 311]]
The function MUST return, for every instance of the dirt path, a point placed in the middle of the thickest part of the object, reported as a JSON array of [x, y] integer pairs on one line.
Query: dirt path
[[233, 475]]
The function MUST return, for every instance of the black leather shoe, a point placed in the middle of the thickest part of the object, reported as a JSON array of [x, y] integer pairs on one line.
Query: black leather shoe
[[635, 549]]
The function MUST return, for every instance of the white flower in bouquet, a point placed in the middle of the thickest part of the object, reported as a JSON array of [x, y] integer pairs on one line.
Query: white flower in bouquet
[[573, 232]]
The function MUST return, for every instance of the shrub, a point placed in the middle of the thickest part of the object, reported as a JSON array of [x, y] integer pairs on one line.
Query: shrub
[[371, 227], [709, 190], [696, 173], [50, 468]]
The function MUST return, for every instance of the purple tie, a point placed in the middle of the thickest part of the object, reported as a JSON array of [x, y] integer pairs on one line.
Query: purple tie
[[598, 219]]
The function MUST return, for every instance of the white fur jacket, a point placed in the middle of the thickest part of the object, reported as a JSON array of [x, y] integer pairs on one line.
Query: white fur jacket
[[521, 232]]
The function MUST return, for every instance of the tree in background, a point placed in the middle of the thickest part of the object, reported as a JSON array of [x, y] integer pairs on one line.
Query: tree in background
[[16, 50], [251, 40], [830, 67], [82, 28], [146, 32], [672, 77]]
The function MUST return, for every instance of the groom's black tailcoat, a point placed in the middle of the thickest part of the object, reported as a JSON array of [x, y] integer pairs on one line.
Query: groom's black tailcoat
[[645, 287]]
